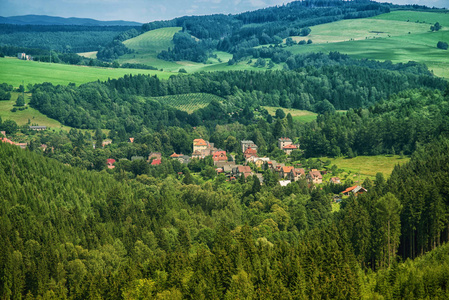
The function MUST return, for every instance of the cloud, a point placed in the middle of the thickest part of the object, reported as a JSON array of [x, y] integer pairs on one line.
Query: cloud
[[257, 3], [208, 1]]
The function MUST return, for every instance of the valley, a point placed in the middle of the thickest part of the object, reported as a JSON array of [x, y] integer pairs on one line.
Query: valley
[[299, 151]]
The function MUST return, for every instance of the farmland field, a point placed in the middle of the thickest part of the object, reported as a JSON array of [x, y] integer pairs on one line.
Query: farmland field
[[13, 71], [395, 36], [302, 116], [188, 102], [361, 167], [148, 45], [29, 114]]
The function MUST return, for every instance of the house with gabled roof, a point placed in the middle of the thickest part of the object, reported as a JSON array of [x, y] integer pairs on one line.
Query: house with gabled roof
[[284, 141], [289, 148], [241, 170], [110, 163], [296, 174], [248, 144], [285, 171], [335, 180], [260, 161], [355, 190], [202, 148], [315, 176], [220, 156]]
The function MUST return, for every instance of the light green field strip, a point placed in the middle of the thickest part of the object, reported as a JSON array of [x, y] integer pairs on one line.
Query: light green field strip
[[385, 37], [416, 16], [302, 116], [148, 45], [188, 102], [29, 114], [367, 166], [14, 71]]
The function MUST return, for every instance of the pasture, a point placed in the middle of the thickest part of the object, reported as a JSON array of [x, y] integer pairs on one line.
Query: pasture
[[148, 45], [14, 71], [188, 102], [302, 116], [395, 36], [361, 167], [27, 116]]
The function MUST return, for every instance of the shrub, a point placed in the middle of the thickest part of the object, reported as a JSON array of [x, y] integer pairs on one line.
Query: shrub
[[442, 45]]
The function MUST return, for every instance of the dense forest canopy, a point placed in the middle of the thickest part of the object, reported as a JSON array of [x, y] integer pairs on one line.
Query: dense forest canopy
[[342, 83], [73, 233], [81, 218], [65, 39]]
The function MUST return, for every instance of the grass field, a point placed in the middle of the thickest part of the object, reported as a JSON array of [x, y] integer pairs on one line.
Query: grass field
[[14, 71], [148, 45], [395, 36], [29, 114], [92, 54], [188, 102], [361, 167], [302, 116]]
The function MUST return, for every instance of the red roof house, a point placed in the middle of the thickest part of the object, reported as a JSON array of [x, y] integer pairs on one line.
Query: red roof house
[[110, 162], [156, 162], [356, 190], [220, 156]]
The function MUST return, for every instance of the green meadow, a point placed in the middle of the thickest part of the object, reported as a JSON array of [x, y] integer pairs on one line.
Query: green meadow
[[27, 116], [302, 116], [148, 45], [15, 71], [399, 36], [188, 102], [361, 167]]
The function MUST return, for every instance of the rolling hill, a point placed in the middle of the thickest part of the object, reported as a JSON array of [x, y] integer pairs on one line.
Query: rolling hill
[[50, 20], [148, 45], [399, 36], [16, 72]]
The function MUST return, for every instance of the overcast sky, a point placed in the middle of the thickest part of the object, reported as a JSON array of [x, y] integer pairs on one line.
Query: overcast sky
[[148, 10]]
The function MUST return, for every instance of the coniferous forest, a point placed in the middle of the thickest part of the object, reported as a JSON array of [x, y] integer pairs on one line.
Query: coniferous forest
[[69, 232], [128, 199]]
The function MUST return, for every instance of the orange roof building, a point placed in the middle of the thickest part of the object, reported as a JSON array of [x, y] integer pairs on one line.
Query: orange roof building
[[220, 156]]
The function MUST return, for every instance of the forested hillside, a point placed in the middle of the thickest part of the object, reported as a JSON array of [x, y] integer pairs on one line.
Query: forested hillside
[[61, 38], [82, 234], [110, 201], [271, 25], [341, 83]]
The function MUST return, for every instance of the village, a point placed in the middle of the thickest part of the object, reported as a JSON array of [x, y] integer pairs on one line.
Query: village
[[225, 163]]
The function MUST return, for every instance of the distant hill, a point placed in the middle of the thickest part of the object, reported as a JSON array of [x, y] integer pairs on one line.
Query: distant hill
[[49, 20]]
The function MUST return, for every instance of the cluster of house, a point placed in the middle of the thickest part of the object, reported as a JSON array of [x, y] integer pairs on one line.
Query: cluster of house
[[4, 139], [228, 167], [203, 148], [24, 56]]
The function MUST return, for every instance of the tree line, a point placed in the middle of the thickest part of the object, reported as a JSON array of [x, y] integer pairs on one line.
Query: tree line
[[74, 233]]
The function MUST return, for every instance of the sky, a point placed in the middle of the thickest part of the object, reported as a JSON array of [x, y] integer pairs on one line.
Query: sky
[[149, 10]]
